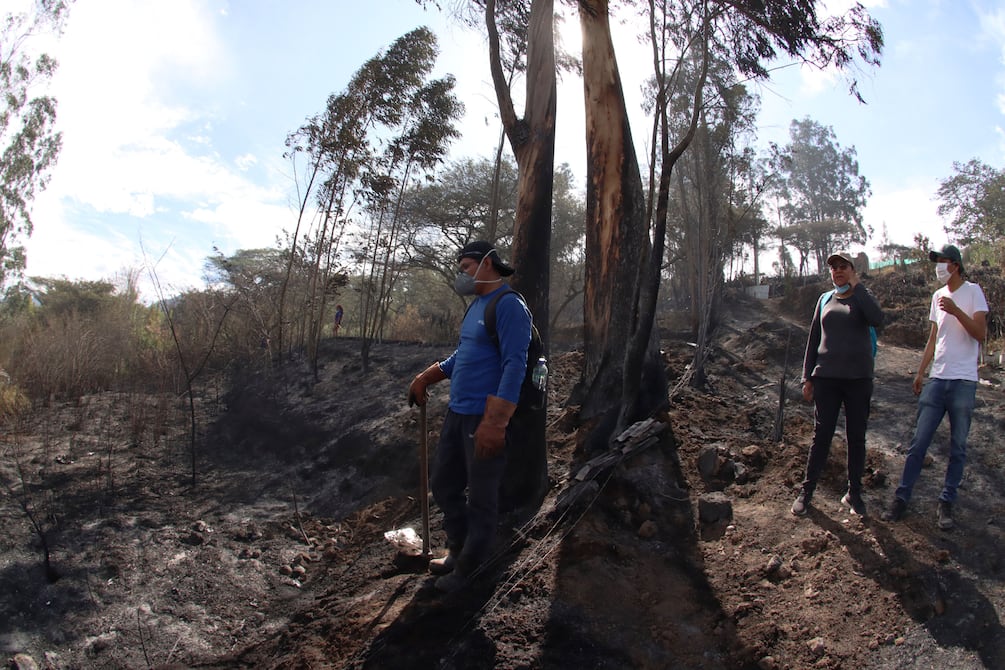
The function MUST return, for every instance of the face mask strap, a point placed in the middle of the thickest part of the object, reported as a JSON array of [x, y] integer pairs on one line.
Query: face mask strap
[[477, 269]]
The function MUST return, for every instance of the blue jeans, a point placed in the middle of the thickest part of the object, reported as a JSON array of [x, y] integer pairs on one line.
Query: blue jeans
[[938, 398], [466, 489]]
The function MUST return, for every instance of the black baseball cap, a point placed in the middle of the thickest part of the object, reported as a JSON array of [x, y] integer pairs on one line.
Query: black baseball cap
[[479, 249], [948, 251]]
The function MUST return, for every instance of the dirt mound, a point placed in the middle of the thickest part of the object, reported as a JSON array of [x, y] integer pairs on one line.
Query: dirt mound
[[276, 556]]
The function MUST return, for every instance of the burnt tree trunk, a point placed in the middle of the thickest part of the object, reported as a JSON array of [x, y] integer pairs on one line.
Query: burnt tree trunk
[[617, 240], [532, 139]]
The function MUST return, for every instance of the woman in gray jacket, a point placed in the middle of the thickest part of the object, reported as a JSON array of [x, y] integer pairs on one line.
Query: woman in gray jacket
[[838, 370]]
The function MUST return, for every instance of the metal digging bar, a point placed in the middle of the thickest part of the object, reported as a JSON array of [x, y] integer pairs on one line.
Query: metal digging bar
[[407, 557], [424, 481]]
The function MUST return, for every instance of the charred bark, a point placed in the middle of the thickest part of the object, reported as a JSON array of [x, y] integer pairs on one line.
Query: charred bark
[[533, 142], [617, 239]]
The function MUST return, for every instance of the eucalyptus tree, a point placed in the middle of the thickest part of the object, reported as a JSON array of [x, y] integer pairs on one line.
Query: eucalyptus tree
[[753, 182], [255, 277], [29, 141], [621, 355], [521, 38], [456, 207], [329, 154], [423, 135], [709, 206], [821, 189], [530, 28], [800, 238], [567, 248], [532, 140], [973, 202]]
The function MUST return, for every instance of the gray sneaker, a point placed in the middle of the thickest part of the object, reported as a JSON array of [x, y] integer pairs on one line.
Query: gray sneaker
[[945, 515], [801, 503], [896, 511]]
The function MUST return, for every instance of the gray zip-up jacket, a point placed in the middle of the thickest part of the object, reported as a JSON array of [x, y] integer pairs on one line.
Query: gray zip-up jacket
[[839, 345]]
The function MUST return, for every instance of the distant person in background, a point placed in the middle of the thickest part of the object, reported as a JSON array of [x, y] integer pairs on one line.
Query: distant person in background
[[959, 324], [338, 320], [838, 370]]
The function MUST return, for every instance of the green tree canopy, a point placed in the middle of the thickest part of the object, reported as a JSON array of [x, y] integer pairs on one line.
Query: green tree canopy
[[59, 296], [29, 142], [973, 202], [821, 190]]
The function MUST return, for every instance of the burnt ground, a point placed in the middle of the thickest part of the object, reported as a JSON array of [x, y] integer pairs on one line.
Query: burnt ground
[[275, 556]]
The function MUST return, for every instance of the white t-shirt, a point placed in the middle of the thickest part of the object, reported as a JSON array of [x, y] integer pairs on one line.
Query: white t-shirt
[[956, 352]]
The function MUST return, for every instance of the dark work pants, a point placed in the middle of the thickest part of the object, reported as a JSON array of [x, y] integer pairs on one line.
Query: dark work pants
[[829, 394], [470, 519]]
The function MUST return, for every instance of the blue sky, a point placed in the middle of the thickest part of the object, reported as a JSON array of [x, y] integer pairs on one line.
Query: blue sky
[[174, 116]]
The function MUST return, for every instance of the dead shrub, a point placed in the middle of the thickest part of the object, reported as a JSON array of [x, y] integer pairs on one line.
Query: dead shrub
[[13, 403], [411, 326]]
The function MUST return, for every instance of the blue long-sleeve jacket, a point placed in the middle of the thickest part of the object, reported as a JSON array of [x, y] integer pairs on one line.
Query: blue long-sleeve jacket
[[478, 368]]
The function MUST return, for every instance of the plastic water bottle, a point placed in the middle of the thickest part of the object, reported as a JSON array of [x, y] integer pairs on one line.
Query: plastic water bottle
[[540, 374]]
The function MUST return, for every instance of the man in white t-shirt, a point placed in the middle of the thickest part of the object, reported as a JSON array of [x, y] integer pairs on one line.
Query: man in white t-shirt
[[959, 324]]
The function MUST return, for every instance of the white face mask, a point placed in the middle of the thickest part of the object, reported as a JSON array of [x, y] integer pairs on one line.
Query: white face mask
[[464, 284], [942, 272]]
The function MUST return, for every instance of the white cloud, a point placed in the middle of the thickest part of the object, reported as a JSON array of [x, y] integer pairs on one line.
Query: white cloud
[[122, 61], [245, 162], [906, 210], [139, 149], [993, 29]]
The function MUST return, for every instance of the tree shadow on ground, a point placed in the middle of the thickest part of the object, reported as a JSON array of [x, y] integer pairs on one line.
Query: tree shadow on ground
[[439, 630], [620, 600], [33, 606], [948, 604]]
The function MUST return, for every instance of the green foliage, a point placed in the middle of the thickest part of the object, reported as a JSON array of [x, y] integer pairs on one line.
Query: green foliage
[[250, 283], [758, 32], [895, 252], [453, 210], [822, 191], [29, 142], [973, 201], [62, 296], [922, 245], [706, 206], [389, 127], [80, 337]]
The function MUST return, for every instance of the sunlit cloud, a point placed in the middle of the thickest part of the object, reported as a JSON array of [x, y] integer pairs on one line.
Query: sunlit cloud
[[245, 162], [138, 153], [906, 211], [993, 27]]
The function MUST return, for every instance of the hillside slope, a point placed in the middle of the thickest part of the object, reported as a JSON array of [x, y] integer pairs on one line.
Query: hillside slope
[[277, 557]]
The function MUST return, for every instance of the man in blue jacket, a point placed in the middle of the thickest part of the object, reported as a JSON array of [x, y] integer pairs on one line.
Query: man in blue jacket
[[485, 384]]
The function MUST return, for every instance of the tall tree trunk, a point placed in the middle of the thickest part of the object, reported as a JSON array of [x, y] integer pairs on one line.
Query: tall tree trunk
[[617, 239], [533, 142]]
